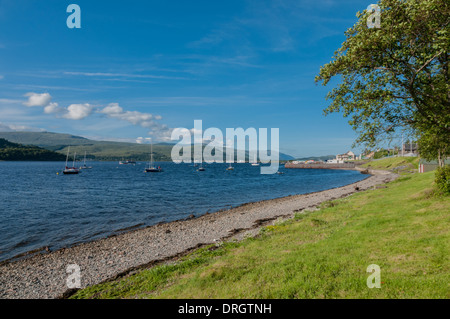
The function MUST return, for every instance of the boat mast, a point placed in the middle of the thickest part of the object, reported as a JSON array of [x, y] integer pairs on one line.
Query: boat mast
[[201, 157], [151, 154], [67, 157], [74, 155]]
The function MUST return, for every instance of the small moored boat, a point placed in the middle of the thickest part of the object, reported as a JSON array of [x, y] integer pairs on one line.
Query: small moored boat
[[70, 170], [255, 162], [122, 162], [151, 168], [84, 164], [230, 168]]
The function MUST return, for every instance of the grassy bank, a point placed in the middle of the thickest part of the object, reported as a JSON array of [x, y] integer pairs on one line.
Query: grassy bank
[[403, 228], [397, 164]]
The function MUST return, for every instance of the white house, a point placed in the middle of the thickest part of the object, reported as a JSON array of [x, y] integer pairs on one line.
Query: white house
[[349, 156]]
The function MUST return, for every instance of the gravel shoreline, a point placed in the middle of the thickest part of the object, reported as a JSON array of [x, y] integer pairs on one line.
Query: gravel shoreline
[[44, 275]]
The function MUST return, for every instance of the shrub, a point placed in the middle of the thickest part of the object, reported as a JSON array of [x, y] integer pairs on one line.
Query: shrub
[[380, 154], [442, 179]]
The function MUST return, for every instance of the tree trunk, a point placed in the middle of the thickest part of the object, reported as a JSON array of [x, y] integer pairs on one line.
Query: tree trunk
[[440, 161]]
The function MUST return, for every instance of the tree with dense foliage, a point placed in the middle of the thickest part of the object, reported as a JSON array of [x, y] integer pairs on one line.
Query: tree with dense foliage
[[395, 77], [434, 146]]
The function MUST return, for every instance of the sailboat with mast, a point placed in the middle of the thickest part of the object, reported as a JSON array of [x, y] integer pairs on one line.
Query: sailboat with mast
[[70, 170], [255, 161], [84, 163], [151, 168], [230, 168], [201, 168]]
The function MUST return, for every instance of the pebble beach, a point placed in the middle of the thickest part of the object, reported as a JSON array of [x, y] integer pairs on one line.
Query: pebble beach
[[43, 276]]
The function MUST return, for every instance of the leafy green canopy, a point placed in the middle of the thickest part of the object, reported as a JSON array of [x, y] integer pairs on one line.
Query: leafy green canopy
[[396, 76], [434, 146]]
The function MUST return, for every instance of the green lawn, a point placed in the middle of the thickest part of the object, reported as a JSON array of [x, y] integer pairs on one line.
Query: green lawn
[[403, 228]]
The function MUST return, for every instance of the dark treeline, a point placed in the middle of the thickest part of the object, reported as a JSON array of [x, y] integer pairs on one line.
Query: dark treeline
[[18, 152]]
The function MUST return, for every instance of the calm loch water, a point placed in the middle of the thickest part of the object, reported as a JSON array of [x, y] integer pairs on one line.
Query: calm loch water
[[40, 208]]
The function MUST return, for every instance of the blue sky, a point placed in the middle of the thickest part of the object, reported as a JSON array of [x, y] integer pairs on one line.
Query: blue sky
[[149, 66]]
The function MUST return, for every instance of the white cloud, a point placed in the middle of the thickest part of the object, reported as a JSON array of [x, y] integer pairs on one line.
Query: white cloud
[[140, 140], [136, 118], [18, 128], [1, 77], [36, 99], [78, 111], [161, 132], [72, 112], [158, 131], [52, 108], [112, 108]]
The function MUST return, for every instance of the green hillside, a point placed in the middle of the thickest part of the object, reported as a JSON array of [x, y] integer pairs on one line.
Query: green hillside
[[44, 139], [114, 151], [95, 150], [18, 152], [98, 150]]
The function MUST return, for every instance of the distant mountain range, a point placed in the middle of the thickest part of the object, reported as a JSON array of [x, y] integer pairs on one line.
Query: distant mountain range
[[96, 150]]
